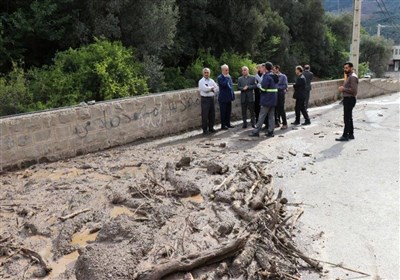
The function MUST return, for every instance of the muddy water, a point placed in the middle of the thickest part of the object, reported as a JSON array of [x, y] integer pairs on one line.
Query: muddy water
[[196, 198], [119, 210], [83, 237], [68, 261], [60, 266]]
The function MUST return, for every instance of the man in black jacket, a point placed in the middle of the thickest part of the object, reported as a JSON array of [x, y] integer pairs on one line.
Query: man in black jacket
[[299, 94], [309, 77]]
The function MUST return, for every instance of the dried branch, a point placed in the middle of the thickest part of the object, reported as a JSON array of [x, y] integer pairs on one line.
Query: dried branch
[[64, 218]]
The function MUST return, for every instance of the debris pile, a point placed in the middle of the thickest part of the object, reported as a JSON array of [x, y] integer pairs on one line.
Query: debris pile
[[193, 219]]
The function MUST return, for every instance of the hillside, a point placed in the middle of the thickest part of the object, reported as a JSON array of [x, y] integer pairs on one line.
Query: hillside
[[374, 12]]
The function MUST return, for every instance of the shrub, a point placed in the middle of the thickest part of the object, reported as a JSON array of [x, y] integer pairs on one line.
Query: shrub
[[175, 79], [14, 94], [100, 71], [205, 59]]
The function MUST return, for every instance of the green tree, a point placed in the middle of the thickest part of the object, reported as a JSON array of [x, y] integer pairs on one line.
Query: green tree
[[236, 25], [375, 51], [100, 71], [275, 42], [190, 33], [338, 32], [15, 97], [32, 31], [304, 20], [149, 25]]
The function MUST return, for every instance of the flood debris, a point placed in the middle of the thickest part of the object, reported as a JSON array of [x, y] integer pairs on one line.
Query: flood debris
[[200, 217]]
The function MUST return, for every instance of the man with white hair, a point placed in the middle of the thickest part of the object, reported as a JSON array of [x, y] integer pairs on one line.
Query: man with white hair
[[225, 97], [246, 85], [208, 88]]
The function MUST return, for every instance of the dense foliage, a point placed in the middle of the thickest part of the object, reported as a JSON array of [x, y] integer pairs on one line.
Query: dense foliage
[[99, 71], [158, 45]]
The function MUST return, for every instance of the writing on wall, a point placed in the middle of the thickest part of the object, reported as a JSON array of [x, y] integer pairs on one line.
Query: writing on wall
[[145, 116]]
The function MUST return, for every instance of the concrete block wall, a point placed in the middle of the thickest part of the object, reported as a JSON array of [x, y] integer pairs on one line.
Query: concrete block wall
[[67, 132]]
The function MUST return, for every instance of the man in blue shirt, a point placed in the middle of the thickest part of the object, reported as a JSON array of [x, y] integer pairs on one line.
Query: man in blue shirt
[[282, 89]]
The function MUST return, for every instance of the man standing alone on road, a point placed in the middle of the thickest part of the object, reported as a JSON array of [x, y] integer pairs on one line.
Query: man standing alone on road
[[207, 88], [300, 96], [246, 85], [349, 91], [225, 97], [309, 77]]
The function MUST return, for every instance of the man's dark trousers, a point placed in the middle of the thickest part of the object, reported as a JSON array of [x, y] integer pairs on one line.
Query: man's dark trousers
[[300, 107], [207, 113], [256, 103], [225, 109], [250, 106], [307, 99], [280, 108], [348, 105]]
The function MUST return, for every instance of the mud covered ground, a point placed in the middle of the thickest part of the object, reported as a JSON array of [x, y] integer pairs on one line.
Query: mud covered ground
[[206, 205]]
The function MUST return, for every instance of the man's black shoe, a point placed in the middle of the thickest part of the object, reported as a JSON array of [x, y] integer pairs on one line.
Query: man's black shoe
[[205, 132], [212, 130], [244, 125], [342, 138], [231, 126], [306, 123], [269, 134], [224, 127], [254, 134], [296, 123], [351, 137]]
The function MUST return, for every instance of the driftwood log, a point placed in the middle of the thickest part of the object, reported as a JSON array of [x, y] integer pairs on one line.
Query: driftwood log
[[192, 261], [182, 186], [243, 260]]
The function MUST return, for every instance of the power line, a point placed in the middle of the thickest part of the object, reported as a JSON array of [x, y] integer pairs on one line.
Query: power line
[[384, 11]]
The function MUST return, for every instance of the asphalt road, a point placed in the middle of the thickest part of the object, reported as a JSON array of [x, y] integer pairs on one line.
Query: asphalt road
[[350, 190]]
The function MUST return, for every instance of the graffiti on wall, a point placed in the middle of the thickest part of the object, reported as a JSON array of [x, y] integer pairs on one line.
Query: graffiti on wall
[[144, 117], [183, 104]]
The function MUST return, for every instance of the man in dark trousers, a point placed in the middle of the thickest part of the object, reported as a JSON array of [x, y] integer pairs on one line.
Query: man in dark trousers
[[268, 100], [258, 77], [225, 97], [282, 89], [246, 85], [208, 88], [309, 77], [349, 92], [300, 96]]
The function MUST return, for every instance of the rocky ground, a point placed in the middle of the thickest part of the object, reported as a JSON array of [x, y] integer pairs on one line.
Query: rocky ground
[[182, 207]]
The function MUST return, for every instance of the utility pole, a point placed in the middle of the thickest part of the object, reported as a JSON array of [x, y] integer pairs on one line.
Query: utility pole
[[355, 43]]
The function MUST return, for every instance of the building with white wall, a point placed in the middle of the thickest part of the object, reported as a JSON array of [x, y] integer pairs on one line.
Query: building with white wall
[[394, 63]]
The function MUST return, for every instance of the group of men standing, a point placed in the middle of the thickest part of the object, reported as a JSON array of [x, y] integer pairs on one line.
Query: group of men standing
[[263, 95]]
